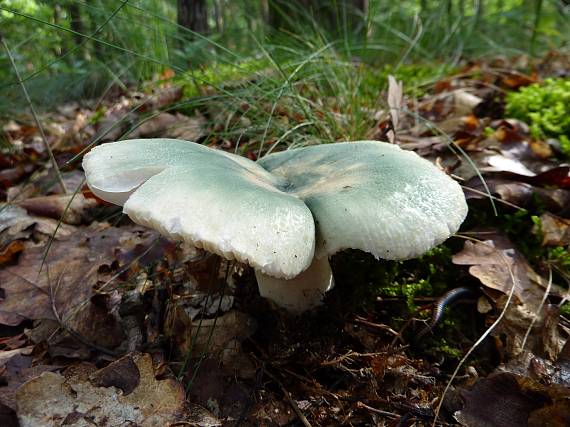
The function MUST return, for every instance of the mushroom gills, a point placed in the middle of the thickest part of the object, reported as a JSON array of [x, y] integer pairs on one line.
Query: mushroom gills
[[302, 292]]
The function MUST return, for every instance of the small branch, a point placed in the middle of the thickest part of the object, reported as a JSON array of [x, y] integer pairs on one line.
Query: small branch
[[289, 399], [378, 326], [36, 119], [349, 357], [376, 411]]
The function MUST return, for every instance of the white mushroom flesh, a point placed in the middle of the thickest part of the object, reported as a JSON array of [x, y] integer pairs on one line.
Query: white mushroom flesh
[[300, 293]]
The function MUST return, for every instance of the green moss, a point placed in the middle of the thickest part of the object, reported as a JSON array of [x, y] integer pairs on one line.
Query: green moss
[[448, 350], [546, 108], [408, 291], [560, 256], [368, 279], [565, 309]]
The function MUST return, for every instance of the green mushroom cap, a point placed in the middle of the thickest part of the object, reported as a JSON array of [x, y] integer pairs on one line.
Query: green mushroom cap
[[223, 203], [277, 214], [371, 196]]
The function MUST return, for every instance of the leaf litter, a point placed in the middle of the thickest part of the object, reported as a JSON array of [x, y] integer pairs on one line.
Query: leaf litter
[[104, 322]]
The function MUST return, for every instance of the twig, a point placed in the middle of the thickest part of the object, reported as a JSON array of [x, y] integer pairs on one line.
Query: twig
[[36, 119], [482, 193], [399, 337], [362, 405], [372, 325], [348, 356], [292, 402]]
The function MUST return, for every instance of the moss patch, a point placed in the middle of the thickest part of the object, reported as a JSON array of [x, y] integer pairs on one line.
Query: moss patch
[[546, 108]]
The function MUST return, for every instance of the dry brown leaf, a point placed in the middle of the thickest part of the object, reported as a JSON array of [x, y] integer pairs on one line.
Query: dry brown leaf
[[73, 266], [507, 400], [15, 369], [56, 207], [188, 128], [555, 231], [231, 326], [395, 100], [464, 102], [14, 224], [166, 125], [227, 332], [10, 252], [543, 338], [499, 266], [494, 260], [521, 194], [155, 126], [163, 98], [8, 354], [126, 392]]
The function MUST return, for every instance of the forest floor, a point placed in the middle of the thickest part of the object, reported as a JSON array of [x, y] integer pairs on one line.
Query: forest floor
[[103, 322]]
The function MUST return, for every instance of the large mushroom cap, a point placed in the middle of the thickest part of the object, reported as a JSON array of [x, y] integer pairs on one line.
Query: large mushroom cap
[[372, 196], [277, 214], [224, 203]]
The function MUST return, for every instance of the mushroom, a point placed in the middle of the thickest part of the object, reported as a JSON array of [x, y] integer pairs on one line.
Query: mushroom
[[286, 214]]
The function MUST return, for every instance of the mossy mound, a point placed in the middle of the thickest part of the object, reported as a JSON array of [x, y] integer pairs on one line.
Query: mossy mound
[[546, 108]]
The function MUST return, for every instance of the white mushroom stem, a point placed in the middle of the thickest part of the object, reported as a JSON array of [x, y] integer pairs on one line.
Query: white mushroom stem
[[301, 293]]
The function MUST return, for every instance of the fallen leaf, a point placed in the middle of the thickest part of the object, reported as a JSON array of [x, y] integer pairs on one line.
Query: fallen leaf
[[166, 125], [500, 163], [14, 224], [465, 102], [511, 132], [543, 338], [73, 267], [507, 400], [115, 120], [514, 80], [498, 265], [223, 330], [395, 98], [188, 128], [15, 369], [520, 194], [163, 98], [85, 396], [155, 126], [555, 231], [69, 208], [10, 252], [178, 328], [123, 374], [211, 336], [8, 354]]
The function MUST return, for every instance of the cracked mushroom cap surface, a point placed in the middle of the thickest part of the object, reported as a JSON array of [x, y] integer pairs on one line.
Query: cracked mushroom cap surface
[[371, 196], [278, 213]]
